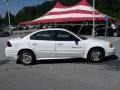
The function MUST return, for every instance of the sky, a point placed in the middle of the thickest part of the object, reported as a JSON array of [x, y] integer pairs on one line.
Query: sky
[[16, 5]]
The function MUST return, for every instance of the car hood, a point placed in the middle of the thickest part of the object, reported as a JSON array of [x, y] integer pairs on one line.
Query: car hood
[[94, 40]]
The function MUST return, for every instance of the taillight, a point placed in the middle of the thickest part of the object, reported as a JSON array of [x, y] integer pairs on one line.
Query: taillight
[[9, 44]]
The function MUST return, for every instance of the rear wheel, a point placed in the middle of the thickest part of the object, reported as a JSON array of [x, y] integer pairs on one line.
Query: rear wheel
[[96, 55], [26, 57]]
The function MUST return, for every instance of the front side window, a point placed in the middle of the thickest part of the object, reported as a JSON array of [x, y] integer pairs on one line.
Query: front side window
[[43, 35], [64, 36]]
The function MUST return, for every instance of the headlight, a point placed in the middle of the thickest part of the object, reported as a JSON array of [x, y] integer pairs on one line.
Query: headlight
[[111, 45]]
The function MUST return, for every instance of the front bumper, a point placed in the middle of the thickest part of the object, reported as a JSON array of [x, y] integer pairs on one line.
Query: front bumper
[[110, 51]]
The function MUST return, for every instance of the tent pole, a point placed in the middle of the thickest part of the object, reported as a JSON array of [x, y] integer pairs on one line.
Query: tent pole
[[115, 21], [118, 21], [87, 28], [80, 28]]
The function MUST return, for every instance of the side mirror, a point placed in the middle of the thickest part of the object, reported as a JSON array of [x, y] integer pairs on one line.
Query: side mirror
[[77, 41]]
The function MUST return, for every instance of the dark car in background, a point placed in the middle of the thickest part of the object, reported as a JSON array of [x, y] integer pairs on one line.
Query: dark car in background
[[100, 30], [113, 30]]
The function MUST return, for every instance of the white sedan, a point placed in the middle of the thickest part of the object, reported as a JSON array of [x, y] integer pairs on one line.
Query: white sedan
[[56, 43]]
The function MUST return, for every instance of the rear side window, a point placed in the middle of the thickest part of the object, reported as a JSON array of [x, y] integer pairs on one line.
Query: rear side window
[[43, 35]]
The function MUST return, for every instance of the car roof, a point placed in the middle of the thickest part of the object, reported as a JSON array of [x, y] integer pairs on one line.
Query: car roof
[[53, 29], [48, 29]]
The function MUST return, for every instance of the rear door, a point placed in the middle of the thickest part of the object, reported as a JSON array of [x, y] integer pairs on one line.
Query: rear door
[[43, 44], [68, 45]]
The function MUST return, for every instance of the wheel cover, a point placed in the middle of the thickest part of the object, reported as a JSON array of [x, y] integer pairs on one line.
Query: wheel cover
[[96, 55], [26, 58]]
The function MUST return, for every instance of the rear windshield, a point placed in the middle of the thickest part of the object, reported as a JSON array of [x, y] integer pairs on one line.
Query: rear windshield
[[23, 35]]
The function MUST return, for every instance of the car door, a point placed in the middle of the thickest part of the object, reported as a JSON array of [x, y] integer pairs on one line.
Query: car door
[[43, 44], [68, 45]]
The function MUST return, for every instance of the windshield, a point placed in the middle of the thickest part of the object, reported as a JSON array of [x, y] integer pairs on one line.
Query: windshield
[[82, 37]]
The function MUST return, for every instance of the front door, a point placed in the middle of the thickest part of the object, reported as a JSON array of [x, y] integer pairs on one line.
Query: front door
[[68, 45]]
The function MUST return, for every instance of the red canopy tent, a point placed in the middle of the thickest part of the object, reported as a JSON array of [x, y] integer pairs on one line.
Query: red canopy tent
[[83, 11]]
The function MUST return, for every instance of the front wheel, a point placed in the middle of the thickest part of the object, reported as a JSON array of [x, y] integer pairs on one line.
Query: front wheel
[[96, 55], [26, 57]]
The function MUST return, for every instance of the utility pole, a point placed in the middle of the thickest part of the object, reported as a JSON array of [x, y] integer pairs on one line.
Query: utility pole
[[7, 3], [93, 31]]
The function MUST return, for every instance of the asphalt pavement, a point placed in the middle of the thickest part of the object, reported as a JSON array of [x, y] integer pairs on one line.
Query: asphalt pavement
[[73, 74]]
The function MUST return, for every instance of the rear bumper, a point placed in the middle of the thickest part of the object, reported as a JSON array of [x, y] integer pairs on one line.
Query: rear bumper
[[11, 53]]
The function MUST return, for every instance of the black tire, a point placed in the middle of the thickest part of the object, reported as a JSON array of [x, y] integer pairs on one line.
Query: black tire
[[7, 34], [3, 34], [26, 57], [96, 55]]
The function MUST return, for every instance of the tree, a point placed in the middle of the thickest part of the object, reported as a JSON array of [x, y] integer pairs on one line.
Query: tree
[[27, 13], [69, 2], [12, 19], [32, 12], [1, 20]]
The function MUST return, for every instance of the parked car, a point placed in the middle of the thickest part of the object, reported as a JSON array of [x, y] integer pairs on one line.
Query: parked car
[[21, 27], [113, 30], [5, 32], [11, 27], [57, 43]]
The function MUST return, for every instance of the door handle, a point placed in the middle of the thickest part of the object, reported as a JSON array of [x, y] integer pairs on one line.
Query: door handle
[[34, 44], [59, 44]]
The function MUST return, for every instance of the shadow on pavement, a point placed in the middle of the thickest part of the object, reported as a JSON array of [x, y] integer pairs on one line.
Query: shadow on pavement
[[2, 62], [109, 63], [113, 64], [77, 60], [60, 61]]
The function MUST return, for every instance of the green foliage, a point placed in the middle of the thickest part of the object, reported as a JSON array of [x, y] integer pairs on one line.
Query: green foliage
[[1, 19], [12, 19], [32, 12], [44, 7], [109, 7], [27, 13], [69, 2]]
